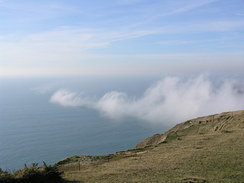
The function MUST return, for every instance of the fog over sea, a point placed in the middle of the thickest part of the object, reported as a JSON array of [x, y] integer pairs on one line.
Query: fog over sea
[[49, 119], [33, 129]]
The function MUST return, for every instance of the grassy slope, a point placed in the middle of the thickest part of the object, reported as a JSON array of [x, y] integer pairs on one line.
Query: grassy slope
[[198, 150]]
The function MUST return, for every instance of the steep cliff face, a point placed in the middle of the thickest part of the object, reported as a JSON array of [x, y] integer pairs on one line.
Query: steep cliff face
[[219, 123]]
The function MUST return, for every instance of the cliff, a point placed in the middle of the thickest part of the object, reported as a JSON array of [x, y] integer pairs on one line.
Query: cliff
[[204, 149]]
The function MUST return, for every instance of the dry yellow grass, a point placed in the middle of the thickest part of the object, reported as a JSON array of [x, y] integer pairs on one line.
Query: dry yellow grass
[[210, 151]]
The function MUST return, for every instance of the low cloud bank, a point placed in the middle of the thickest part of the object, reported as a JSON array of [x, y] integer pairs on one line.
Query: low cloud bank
[[69, 99], [170, 100]]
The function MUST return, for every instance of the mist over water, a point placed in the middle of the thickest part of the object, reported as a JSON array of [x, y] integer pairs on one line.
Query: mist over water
[[34, 130], [53, 118], [161, 101]]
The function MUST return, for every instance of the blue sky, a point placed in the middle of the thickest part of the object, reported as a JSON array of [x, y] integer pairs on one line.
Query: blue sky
[[121, 37]]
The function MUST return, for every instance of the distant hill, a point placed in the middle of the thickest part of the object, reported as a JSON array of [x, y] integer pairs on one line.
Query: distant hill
[[205, 149]]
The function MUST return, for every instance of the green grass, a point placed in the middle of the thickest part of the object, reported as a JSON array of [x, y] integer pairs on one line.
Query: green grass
[[171, 136], [203, 150], [196, 154]]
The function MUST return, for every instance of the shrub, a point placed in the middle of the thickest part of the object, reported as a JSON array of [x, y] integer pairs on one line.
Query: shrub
[[51, 172], [33, 174], [6, 177]]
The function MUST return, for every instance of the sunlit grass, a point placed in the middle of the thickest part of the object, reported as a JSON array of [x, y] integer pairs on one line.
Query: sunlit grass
[[195, 154]]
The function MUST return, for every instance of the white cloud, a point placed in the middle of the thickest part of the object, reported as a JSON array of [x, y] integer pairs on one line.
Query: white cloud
[[61, 47], [188, 7], [170, 100], [69, 99], [204, 26], [114, 105]]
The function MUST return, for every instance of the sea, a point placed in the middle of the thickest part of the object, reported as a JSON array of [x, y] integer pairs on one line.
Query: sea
[[32, 129]]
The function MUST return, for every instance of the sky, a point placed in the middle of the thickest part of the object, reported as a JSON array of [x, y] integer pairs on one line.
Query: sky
[[121, 37]]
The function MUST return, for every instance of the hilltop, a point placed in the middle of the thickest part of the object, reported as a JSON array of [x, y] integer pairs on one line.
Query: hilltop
[[204, 149]]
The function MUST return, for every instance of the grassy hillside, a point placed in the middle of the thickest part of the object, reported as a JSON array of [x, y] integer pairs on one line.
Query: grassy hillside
[[205, 149]]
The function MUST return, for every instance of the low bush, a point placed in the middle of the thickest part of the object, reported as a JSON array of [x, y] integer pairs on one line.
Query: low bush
[[32, 174]]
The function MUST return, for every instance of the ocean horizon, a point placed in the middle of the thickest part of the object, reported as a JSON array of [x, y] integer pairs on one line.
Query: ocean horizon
[[51, 118], [32, 129]]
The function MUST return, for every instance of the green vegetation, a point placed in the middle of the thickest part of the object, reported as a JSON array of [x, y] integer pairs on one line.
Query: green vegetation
[[33, 174], [203, 150], [171, 136]]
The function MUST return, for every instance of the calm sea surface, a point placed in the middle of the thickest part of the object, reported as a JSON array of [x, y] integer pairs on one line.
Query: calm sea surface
[[34, 130]]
